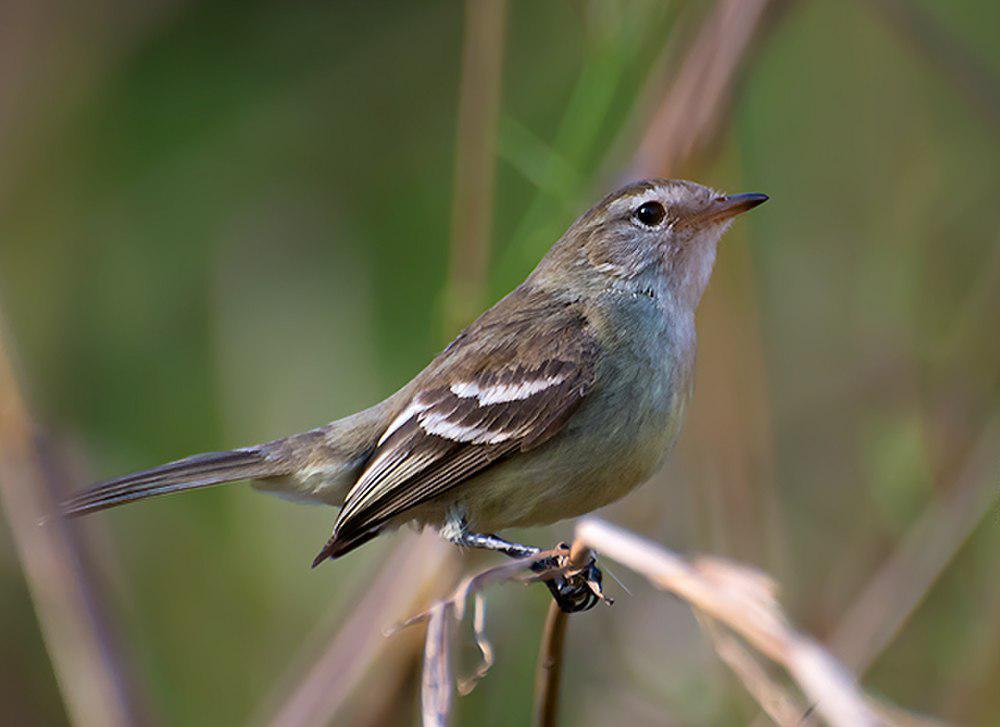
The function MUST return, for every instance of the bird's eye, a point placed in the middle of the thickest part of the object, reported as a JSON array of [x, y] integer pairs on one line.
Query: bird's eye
[[650, 214]]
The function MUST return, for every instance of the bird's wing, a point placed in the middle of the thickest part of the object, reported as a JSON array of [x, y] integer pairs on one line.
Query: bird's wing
[[502, 386]]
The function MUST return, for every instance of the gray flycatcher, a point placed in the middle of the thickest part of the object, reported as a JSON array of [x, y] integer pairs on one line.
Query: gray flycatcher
[[561, 398]]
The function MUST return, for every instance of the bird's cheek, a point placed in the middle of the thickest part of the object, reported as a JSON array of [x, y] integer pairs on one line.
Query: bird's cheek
[[620, 259], [668, 253]]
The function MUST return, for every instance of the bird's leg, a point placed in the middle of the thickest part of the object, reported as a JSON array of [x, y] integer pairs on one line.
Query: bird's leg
[[572, 594], [495, 542]]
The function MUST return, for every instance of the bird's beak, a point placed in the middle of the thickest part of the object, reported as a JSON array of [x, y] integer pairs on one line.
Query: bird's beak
[[722, 208]]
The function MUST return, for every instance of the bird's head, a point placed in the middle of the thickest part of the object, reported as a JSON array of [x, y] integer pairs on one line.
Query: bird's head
[[658, 231]]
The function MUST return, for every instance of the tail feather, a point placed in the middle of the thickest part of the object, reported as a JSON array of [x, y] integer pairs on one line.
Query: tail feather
[[200, 470], [336, 547]]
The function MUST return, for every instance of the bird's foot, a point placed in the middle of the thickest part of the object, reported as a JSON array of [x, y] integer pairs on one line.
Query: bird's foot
[[576, 589]]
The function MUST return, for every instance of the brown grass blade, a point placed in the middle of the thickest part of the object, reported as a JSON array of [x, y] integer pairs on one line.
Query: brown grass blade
[[688, 118], [902, 583], [321, 690], [95, 681], [346, 661]]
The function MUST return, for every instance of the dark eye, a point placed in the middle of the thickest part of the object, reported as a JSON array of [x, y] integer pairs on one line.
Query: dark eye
[[650, 214]]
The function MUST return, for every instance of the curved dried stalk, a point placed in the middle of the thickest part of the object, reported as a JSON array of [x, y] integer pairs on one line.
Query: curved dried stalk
[[436, 685], [737, 597], [777, 702], [743, 600]]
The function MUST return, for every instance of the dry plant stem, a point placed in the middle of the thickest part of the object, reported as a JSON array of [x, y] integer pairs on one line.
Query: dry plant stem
[[435, 687], [437, 681], [703, 88], [323, 693], [696, 103], [730, 438], [870, 625], [475, 159], [777, 701], [739, 598], [402, 585], [892, 595], [94, 682], [689, 117], [548, 672], [743, 601]]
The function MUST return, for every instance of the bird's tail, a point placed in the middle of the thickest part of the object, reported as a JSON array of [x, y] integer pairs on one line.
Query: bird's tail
[[190, 473], [315, 466]]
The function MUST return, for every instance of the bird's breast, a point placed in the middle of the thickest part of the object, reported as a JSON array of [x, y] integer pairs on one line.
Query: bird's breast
[[616, 440]]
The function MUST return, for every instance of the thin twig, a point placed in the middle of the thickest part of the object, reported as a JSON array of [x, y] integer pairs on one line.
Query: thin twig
[[548, 671], [96, 684], [467, 684], [435, 703]]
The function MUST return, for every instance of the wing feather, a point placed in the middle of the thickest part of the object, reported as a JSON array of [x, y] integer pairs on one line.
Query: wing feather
[[503, 385]]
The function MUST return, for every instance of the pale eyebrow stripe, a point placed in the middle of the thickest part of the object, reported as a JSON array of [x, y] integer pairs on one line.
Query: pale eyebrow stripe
[[668, 196]]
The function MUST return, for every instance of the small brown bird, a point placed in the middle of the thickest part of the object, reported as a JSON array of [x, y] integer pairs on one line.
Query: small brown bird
[[561, 398]]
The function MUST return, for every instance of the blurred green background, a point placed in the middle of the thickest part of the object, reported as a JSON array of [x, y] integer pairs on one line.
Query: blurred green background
[[224, 222]]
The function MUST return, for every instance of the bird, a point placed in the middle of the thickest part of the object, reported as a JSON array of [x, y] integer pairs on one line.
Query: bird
[[561, 398]]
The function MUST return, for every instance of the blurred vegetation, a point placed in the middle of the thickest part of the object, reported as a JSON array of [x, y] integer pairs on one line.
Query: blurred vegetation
[[221, 223]]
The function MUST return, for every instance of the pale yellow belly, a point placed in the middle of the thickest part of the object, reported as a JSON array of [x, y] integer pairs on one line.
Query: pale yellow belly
[[580, 470]]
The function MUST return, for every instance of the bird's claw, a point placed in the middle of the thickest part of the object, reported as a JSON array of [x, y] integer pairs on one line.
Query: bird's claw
[[574, 590]]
